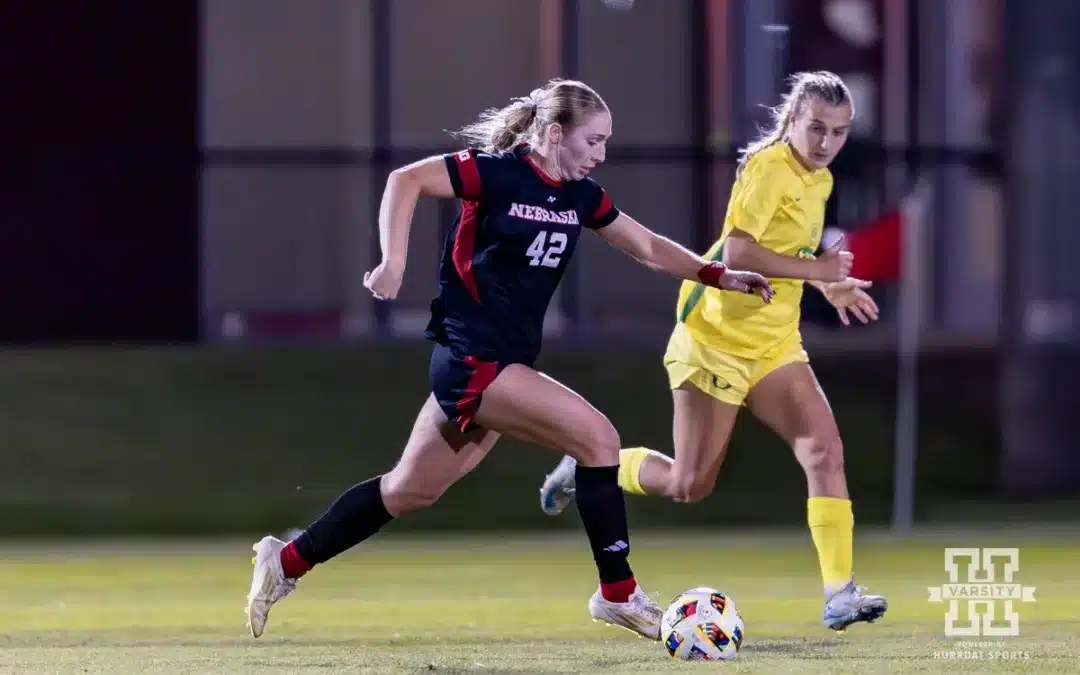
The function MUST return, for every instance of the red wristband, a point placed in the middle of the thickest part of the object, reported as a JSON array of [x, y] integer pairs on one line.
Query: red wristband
[[710, 274]]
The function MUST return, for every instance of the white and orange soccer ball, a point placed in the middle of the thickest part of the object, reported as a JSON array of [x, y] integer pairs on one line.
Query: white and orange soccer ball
[[702, 624]]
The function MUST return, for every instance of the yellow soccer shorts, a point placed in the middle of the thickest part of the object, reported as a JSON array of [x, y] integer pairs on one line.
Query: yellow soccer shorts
[[723, 376]]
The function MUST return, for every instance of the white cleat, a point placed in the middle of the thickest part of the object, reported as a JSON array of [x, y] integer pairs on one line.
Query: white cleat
[[640, 614], [268, 583], [851, 605], [559, 485]]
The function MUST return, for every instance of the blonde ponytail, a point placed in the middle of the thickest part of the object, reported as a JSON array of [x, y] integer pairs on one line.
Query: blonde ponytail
[[499, 129], [566, 102]]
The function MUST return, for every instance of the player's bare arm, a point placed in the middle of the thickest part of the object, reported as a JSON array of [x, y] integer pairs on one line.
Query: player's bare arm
[[661, 254], [742, 251], [403, 189]]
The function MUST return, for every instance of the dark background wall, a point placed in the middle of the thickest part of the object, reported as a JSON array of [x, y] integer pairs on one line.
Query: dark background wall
[[98, 218]]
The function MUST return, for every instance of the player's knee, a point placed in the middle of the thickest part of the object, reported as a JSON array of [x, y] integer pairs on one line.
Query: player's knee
[[401, 494], [690, 486], [597, 444], [821, 455]]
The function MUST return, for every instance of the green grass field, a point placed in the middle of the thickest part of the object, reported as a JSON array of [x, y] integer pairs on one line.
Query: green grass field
[[500, 604]]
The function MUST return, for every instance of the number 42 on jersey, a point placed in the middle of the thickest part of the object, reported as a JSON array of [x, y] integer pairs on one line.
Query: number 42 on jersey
[[546, 250]]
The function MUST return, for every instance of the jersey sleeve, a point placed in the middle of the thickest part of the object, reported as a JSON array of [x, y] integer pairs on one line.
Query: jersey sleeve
[[759, 195], [600, 211], [476, 176]]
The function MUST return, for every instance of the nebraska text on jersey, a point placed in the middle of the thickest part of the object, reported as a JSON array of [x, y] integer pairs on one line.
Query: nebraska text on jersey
[[540, 214]]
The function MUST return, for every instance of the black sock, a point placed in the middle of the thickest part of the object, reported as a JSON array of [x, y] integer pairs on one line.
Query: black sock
[[355, 516], [602, 507]]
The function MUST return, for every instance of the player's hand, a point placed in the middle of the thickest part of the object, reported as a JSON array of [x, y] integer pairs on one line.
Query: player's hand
[[747, 282], [848, 295], [384, 281], [835, 263]]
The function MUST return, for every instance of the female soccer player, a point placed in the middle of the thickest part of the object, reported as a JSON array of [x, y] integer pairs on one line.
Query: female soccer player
[[726, 352], [525, 198]]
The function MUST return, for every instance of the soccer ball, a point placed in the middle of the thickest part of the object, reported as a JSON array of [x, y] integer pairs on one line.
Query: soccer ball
[[702, 624]]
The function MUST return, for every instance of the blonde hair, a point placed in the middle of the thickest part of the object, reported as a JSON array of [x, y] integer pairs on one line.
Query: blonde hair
[[803, 86], [565, 102]]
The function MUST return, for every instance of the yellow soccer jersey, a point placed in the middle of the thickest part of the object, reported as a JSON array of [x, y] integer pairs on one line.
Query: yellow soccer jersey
[[781, 205]]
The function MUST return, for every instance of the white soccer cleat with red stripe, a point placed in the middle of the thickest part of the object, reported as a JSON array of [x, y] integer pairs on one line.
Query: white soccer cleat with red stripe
[[641, 614], [268, 583]]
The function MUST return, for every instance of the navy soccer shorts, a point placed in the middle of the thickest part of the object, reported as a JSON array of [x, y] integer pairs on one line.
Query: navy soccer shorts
[[458, 382]]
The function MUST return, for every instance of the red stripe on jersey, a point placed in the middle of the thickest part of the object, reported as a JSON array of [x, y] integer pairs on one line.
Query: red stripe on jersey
[[483, 374], [465, 246], [605, 206], [469, 173]]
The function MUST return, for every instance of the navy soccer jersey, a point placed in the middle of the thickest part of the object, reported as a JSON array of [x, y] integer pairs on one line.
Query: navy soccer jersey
[[507, 252]]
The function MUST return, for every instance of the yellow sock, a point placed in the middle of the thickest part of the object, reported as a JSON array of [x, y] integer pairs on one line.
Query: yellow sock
[[630, 461], [832, 525]]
